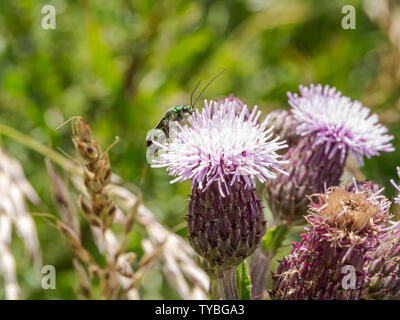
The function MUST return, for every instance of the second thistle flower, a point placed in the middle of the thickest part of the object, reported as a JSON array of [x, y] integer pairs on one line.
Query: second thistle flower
[[329, 126]]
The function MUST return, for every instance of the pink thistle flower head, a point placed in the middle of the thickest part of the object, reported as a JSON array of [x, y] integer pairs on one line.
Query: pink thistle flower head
[[339, 123], [397, 199], [224, 146]]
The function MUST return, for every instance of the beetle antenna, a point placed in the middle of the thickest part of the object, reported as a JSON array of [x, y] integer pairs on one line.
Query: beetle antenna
[[193, 91], [211, 81]]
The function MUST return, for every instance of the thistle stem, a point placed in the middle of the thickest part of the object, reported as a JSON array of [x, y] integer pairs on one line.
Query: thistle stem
[[227, 284], [214, 287], [259, 273]]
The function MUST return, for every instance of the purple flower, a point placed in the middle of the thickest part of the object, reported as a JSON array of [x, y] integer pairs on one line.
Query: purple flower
[[222, 146], [331, 127], [340, 124], [396, 200], [223, 151]]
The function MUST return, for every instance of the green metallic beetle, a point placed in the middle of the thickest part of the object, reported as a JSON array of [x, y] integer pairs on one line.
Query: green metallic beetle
[[178, 113]]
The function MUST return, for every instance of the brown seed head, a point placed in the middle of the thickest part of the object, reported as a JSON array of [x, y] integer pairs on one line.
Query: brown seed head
[[347, 210]]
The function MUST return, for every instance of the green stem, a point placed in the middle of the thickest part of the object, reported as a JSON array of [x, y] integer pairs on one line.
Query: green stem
[[263, 256], [215, 293], [259, 273], [227, 284], [38, 147]]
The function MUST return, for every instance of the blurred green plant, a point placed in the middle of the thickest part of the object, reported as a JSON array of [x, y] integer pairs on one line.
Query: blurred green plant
[[122, 64]]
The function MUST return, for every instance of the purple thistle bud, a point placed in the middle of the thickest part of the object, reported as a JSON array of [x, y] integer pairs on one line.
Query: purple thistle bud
[[345, 223], [225, 230], [309, 171], [332, 126], [284, 125], [236, 104]]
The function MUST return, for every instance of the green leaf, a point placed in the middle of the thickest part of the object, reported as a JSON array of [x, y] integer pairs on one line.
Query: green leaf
[[274, 237], [243, 282]]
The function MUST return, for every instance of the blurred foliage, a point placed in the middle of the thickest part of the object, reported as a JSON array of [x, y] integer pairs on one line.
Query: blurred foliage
[[121, 64]]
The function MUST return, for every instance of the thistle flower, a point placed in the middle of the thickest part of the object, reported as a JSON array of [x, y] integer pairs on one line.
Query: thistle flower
[[331, 126], [224, 148], [329, 261], [223, 153], [338, 123]]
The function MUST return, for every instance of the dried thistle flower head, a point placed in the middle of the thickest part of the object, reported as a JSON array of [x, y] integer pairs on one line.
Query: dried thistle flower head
[[357, 211], [345, 223], [347, 210]]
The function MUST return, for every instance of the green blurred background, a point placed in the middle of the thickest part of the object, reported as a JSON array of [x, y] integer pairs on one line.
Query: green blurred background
[[122, 64]]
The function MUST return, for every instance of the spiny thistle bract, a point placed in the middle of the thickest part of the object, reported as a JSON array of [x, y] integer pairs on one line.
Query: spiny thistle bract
[[331, 126], [284, 125], [384, 269], [223, 152], [345, 223], [225, 230]]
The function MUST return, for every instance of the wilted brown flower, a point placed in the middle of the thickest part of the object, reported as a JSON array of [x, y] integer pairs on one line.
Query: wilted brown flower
[[345, 223]]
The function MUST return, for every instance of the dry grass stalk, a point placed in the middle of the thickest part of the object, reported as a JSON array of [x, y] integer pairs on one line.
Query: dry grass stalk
[[176, 256], [69, 227], [84, 280], [97, 204], [62, 199], [118, 279], [99, 210]]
